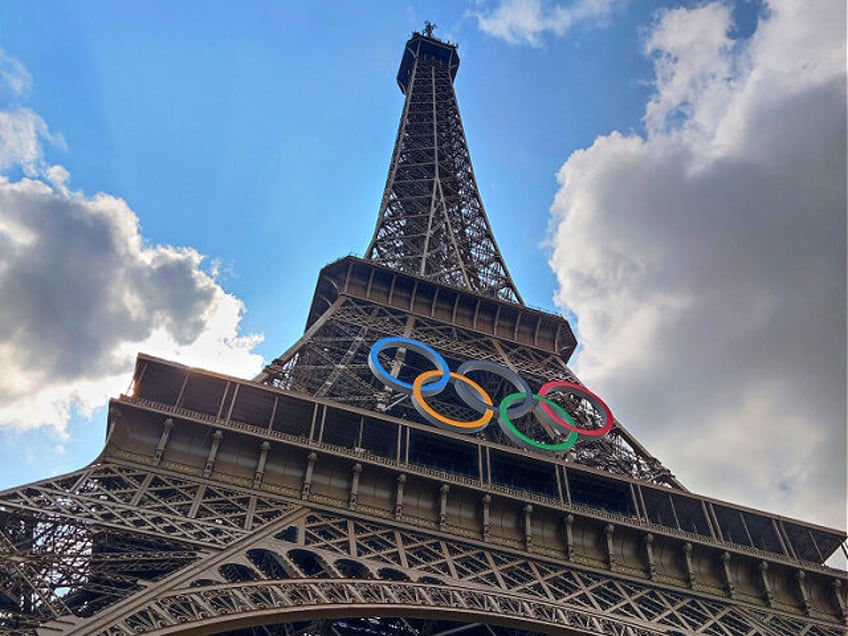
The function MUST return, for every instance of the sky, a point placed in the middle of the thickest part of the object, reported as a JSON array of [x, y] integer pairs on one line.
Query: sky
[[669, 175]]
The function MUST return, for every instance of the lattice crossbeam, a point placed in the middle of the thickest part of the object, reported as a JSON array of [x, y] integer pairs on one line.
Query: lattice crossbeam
[[353, 325], [371, 569]]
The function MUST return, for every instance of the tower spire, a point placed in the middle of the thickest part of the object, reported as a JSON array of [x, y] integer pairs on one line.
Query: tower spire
[[432, 222]]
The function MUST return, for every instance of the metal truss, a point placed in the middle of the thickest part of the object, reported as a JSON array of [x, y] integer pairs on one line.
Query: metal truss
[[82, 541], [394, 626], [154, 503], [347, 331], [318, 572], [158, 537], [432, 222]]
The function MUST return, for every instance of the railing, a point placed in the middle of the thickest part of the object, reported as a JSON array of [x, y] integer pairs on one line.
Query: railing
[[361, 454]]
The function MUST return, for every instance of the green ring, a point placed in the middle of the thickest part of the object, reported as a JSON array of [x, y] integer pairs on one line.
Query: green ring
[[523, 440]]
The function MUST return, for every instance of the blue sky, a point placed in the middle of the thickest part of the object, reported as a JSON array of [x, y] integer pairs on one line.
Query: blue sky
[[665, 173]]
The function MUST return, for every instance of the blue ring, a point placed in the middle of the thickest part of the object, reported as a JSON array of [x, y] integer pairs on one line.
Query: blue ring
[[409, 344]]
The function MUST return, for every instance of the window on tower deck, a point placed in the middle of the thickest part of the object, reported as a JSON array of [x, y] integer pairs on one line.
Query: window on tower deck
[[524, 473], [597, 492], [453, 456]]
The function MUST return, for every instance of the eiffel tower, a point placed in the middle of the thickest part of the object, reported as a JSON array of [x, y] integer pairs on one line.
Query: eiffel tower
[[340, 492]]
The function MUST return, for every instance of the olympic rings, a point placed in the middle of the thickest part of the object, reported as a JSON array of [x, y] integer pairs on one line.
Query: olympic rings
[[551, 415]]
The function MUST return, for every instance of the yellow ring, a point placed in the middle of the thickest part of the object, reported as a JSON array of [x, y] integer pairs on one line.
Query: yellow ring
[[419, 399]]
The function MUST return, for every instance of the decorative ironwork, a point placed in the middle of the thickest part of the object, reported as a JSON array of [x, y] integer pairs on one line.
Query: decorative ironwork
[[315, 567], [351, 325]]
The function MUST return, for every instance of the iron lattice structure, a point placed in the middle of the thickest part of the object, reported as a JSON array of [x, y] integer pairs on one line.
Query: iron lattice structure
[[312, 500], [357, 303], [432, 222]]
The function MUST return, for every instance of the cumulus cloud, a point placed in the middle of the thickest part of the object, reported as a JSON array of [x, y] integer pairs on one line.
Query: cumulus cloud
[[82, 291], [705, 259], [526, 21]]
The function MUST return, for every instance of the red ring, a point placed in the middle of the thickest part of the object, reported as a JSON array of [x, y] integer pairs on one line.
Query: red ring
[[593, 399]]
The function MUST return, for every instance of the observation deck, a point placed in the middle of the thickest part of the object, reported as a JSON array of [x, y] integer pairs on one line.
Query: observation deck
[[421, 45]]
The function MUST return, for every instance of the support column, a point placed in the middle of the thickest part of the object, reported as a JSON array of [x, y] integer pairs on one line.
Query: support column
[[167, 425], [608, 532], [569, 536], [764, 582], [354, 486], [528, 527], [727, 574], [487, 525], [648, 541], [443, 505], [264, 447], [399, 484], [307, 476], [836, 586], [690, 568], [804, 595], [213, 452]]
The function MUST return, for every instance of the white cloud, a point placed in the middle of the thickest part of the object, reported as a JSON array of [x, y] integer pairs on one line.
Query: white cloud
[[21, 134], [705, 260], [694, 69], [526, 21], [14, 77], [82, 291], [22, 131]]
